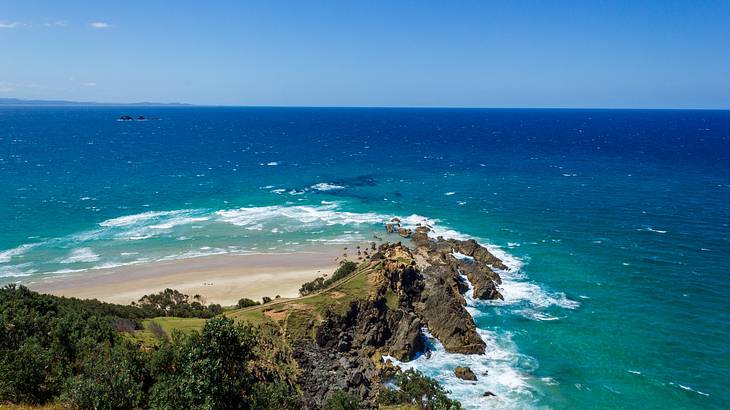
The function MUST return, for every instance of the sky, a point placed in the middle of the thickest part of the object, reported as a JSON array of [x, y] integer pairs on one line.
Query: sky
[[582, 54]]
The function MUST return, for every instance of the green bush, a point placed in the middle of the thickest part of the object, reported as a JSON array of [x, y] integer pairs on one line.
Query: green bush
[[342, 400], [55, 349], [42, 340], [345, 269], [245, 302], [413, 388], [111, 377], [205, 370], [275, 395], [171, 302]]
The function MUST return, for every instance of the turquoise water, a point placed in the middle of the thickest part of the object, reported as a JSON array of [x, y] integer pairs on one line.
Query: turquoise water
[[615, 223]]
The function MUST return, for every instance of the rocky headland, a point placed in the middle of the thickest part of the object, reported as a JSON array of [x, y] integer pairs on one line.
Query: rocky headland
[[410, 287]]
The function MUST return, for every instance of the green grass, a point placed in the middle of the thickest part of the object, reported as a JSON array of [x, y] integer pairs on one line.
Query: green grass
[[169, 325], [391, 299], [253, 316], [301, 324], [299, 318]]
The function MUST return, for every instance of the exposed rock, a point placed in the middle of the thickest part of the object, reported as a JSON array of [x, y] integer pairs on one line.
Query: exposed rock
[[410, 289], [465, 373], [442, 308], [481, 254], [404, 232], [483, 279], [474, 262], [389, 228], [488, 394], [322, 373]]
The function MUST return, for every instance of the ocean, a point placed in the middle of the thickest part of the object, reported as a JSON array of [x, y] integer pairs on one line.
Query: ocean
[[615, 223]]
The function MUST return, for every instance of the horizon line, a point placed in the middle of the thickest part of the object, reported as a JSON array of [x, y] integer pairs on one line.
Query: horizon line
[[67, 103]]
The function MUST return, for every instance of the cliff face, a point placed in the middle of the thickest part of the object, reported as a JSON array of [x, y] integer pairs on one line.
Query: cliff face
[[409, 288]]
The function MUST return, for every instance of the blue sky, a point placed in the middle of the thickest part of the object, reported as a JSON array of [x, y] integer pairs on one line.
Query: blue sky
[[652, 54]]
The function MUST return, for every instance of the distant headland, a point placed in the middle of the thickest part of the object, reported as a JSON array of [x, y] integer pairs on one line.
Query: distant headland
[[22, 102]]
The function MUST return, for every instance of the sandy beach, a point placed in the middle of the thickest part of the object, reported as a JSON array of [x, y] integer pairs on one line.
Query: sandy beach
[[222, 279]]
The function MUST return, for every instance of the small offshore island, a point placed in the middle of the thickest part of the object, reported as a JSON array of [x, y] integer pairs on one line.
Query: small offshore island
[[335, 347]]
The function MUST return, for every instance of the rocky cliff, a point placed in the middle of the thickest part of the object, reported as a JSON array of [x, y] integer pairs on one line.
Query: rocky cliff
[[409, 288]]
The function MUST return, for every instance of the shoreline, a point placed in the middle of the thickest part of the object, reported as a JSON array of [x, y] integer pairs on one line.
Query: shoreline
[[222, 279]]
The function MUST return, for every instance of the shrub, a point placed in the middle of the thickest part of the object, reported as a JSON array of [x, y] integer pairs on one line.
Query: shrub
[[413, 388], [342, 400], [157, 330], [345, 269], [245, 302], [275, 395], [124, 325], [207, 369], [266, 299], [170, 302], [111, 377]]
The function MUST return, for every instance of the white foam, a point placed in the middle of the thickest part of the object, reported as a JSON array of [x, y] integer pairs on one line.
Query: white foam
[[80, 255], [137, 218], [520, 291], [65, 271], [462, 257], [13, 271], [415, 220], [184, 220], [195, 254], [7, 255], [325, 186], [689, 389], [496, 371], [650, 229], [301, 214]]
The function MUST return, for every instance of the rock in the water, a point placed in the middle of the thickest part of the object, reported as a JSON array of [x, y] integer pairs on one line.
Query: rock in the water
[[465, 373], [404, 232], [442, 308], [488, 394]]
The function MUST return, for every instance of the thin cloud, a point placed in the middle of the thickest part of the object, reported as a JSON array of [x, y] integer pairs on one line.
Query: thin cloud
[[10, 24], [89, 84], [99, 24], [58, 23]]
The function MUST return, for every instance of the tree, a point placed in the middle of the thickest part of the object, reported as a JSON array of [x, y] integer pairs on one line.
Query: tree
[[112, 377], [245, 302], [206, 370], [412, 387]]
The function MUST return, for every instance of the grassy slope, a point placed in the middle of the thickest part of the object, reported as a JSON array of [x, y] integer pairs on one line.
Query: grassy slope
[[297, 317], [300, 317]]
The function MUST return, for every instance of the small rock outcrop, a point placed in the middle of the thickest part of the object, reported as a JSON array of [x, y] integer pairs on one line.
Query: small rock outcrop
[[465, 373]]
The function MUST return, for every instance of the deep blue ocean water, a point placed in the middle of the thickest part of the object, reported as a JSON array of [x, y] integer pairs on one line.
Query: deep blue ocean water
[[616, 223]]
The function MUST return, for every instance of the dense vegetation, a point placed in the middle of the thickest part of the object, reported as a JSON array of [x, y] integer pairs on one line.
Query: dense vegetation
[[79, 353], [58, 349], [170, 302], [245, 302], [320, 283], [413, 388]]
